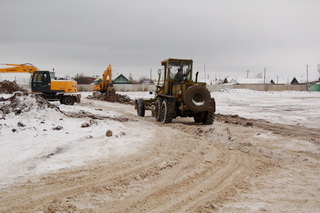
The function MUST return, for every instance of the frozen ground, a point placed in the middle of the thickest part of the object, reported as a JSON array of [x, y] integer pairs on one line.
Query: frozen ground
[[43, 140], [28, 150], [287, 107]]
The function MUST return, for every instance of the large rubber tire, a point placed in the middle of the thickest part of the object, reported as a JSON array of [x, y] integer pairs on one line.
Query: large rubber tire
[[157, 110], [68, 100], [208, 118], [197, 98], [165, 116], [141, 107]]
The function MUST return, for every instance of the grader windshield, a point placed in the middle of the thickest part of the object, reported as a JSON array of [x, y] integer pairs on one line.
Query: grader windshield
[[179, 69]]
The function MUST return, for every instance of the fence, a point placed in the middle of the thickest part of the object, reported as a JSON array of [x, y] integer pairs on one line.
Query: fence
[[211, 88]]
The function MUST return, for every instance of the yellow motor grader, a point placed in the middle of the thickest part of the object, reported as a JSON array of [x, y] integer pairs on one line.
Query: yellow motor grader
[[179, 95]]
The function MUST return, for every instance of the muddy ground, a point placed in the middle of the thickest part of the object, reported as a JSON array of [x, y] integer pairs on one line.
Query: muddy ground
[[9, 87], [234, 165]]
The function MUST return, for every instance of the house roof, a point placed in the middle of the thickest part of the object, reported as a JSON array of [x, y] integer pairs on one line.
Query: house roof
[[121, 79]]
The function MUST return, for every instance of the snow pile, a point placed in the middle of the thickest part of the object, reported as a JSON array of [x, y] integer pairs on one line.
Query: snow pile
[[37, 137], [20, 103]]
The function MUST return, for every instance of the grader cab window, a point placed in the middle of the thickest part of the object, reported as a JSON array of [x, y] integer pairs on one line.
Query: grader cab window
[[180, 71]]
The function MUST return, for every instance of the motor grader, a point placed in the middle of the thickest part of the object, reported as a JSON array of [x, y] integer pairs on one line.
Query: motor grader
[[179, 95]]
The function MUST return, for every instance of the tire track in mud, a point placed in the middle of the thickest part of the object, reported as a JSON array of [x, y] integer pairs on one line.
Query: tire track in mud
[[120, 175], [56, 188], [180, 170], [312, 134]]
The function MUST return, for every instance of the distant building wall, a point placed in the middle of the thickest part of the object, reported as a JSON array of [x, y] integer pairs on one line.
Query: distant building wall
[[211, 88], [259, 87], [216, 87], [121, 87]]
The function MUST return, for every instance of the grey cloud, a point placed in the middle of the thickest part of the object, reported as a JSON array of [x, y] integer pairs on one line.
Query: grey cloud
[[228, 37]]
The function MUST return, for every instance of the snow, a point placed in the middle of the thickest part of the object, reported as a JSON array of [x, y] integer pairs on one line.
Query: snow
[[286, 107], [38, 147]]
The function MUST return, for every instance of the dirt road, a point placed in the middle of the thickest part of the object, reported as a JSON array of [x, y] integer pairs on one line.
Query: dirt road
[[234, 165]]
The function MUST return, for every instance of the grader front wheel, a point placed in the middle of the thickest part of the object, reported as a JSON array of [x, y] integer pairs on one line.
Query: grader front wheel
[[140, 107], [165, 116], [157, 110]]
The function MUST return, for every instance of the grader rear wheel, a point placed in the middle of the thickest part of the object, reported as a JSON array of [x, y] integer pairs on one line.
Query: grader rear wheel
[[208, 118]]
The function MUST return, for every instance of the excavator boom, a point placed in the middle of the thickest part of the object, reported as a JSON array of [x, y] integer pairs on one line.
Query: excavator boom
[[107, 78], [103, 84], [24, 68]]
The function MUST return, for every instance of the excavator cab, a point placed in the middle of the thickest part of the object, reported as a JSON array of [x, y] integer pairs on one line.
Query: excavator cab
[[41, 81]]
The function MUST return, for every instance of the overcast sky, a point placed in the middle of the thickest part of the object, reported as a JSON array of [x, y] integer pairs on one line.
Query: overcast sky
[[226, 38]]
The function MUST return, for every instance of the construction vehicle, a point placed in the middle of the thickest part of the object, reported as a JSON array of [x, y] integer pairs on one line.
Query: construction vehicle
[[44, 84], [104, 84], [179, 95]]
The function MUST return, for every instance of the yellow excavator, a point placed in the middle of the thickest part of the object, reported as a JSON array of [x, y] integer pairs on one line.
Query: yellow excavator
[[44, 83], [105, 84]]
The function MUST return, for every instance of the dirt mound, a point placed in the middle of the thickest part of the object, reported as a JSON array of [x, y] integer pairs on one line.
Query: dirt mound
[[20, 102], [111, 96], [9, 87], [311, 134]]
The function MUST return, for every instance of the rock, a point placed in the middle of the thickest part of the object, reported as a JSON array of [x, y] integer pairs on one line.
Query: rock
[[249, 124], [84, 125], [93, 122], [57, 128], [109, 133], [20, 124]]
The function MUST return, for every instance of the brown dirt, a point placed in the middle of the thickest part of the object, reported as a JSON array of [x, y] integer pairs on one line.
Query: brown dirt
[[111, 96], [234, 165], [8, 87]]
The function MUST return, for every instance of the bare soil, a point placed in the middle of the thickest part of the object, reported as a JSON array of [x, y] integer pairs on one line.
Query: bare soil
[[111, 96], [8, 87], [234, 165]]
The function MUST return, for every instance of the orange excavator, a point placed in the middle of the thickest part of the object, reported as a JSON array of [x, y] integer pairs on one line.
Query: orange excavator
[[105, 84], [44, 83]]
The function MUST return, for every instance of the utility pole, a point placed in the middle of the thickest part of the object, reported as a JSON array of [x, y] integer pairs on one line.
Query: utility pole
[[247, 73], [264, 76], [307, 73], [150, 74], [204, 68]]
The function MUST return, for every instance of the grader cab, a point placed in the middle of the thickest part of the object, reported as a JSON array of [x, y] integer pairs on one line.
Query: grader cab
[[179, 95]]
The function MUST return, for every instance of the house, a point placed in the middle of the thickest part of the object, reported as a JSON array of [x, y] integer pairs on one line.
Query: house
[[248, 81], [121, 79], [294, 81], [257, 81]]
